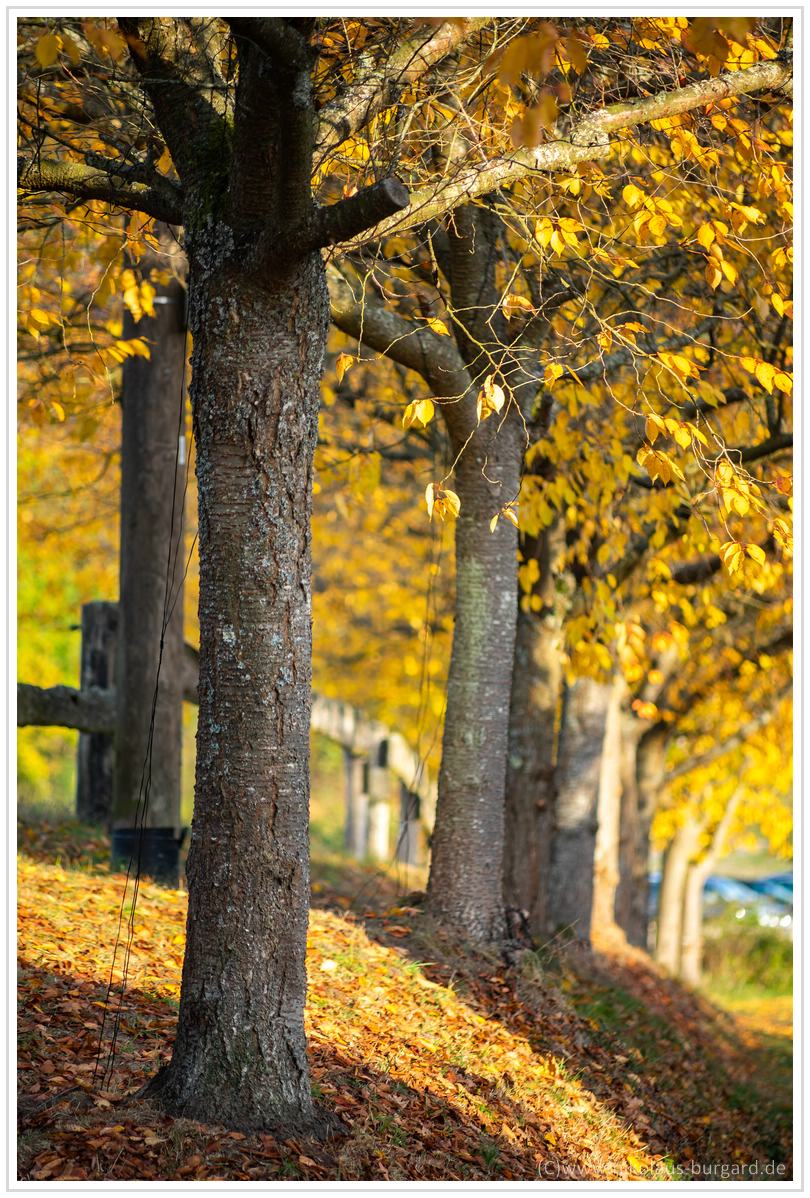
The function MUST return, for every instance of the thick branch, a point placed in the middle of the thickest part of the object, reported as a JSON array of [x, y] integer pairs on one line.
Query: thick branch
[[192, 123], [163, 201], [88, 710], [274, 36], [382, 86], [587, 142], [763, 76], [348, 218], [435, 357]]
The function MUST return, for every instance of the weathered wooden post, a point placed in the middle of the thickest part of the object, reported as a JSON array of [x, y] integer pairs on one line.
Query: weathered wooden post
[[146, 805], [354, 772], [95, 766], [379, 795]]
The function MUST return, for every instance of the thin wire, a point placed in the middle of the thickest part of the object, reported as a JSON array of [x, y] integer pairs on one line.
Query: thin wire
[[145, 785]]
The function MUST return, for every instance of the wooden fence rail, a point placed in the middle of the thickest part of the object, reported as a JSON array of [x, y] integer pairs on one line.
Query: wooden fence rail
[[380, 767]]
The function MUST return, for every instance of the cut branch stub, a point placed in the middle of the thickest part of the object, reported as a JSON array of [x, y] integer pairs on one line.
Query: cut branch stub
[[350, 217]]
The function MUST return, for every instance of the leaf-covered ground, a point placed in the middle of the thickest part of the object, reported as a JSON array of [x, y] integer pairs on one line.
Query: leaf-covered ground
[[441, 1065]]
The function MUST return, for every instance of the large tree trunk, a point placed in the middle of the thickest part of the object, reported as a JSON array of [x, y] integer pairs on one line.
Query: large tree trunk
[[149, 664], [677, 857], [643, 763], [466, 872], [240, 1053], [533, 719], [570, 895], [608, 831]]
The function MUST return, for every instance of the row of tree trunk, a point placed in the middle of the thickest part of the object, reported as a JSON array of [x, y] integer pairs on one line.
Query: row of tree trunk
[[581, 771], [690, 858]]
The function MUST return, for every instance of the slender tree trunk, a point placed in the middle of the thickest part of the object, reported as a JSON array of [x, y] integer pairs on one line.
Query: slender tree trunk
[[533, 719], [585, 712], [691, 967], [643, 763], [240, 1053], [148, 673], [466, 873], [691, 958], [677, 857], [608, 831]]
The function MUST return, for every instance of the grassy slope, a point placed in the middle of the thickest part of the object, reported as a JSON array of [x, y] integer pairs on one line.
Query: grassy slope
[[441, 1065]]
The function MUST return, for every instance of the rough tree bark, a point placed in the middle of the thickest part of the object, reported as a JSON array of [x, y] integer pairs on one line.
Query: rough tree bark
[[570, 897], [240, 1053], [533, 718], [149, 662], [259, 315], [677, 857], [465, 887]]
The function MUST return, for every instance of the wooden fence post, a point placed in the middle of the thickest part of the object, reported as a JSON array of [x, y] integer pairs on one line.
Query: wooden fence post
[[153, 470], [354, 772], [379, 795], [95, 765]]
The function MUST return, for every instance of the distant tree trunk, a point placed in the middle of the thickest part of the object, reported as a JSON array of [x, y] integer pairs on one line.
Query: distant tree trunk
[[691, 967], [149, 666], [677, 857], [643, 763], [584, 718], [95, 767], [240, 1053], [466, 874], [608, 831], [533, 718]]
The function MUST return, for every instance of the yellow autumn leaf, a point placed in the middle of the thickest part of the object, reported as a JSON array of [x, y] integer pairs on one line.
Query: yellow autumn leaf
[[342, 364], [47, 49], [765, 374], [441, 502], [511, 304], [706, 235], [756, 553], [491, 398], [552, 372], [438, 326], [632, 195], [420, 412]]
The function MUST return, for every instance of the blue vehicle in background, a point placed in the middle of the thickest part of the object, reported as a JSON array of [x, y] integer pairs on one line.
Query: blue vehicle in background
[[769, 899]]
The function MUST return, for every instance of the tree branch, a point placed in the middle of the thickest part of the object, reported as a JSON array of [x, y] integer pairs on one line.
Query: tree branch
[[344, 115], [164, 201], [434, 357], [348, 218], [587, 142], [274, 36]]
